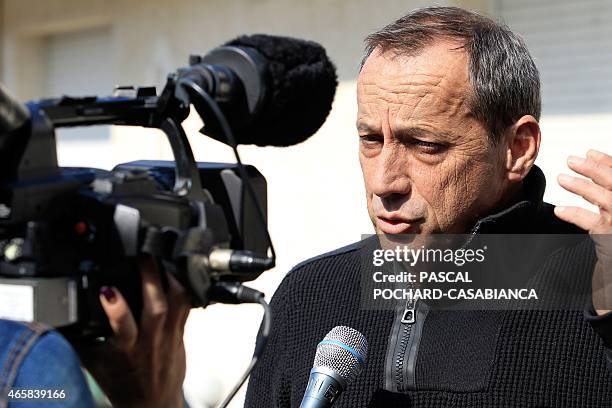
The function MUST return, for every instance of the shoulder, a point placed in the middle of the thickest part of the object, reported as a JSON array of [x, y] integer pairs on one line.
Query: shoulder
[[345, 252], [549, 223], [18, 338], [338, 264], [61, 367], [32, 356]]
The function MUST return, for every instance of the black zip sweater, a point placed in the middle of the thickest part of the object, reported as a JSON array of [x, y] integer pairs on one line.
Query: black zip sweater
[[513, 358]]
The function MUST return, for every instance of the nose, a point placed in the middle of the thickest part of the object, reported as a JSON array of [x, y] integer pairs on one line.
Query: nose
[[391, 180]]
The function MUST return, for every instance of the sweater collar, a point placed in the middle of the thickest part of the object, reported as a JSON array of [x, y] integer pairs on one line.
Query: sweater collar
[[520, 216]]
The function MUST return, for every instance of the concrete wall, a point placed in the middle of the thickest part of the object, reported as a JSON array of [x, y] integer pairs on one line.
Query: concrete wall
[[316, 199], [315, 194], [153, 37]]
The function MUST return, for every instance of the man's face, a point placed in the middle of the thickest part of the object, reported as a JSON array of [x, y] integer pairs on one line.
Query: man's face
[[427, 162]]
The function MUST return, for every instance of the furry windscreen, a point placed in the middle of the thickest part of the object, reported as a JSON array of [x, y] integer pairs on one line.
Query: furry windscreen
[[301, 82]]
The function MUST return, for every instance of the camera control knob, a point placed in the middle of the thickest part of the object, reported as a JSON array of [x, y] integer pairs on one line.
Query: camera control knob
[[13, 250]]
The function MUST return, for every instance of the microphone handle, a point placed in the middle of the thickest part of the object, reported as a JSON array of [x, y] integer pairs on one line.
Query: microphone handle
[[324, 387]]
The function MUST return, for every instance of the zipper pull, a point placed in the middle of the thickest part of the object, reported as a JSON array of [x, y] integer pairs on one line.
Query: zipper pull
[[409, 315]]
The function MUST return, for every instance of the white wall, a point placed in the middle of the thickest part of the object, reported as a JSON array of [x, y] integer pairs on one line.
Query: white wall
[[316, 198], [565, 135], [570, 43]]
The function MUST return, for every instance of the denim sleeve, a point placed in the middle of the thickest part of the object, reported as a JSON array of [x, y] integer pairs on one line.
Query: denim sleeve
[[50, 364]]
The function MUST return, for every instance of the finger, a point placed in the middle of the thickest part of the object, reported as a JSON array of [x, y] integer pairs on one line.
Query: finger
[[600, 157], [179, 305], [593, 193], [120, 318], [592, 168], [587, 220], [154, 304]]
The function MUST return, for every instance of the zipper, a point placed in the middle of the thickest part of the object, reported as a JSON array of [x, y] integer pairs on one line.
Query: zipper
[[400, 357], [403, 347], [406, 340], [407, 320]]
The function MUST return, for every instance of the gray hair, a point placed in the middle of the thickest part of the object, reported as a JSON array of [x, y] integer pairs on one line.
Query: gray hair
[[504, 78]]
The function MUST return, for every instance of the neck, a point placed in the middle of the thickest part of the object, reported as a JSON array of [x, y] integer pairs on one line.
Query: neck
[[513, 195]]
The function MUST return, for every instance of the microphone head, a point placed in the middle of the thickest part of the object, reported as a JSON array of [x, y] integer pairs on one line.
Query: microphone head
[[344, 351], [300, 84]]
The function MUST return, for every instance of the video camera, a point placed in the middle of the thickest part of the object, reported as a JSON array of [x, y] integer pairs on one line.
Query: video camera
[[66, 232]]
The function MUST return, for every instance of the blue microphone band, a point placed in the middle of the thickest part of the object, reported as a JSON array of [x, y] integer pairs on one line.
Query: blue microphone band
[[354, 352]]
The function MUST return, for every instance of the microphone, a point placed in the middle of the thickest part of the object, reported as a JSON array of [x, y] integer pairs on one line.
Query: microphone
[[274, 91], [339, 359]]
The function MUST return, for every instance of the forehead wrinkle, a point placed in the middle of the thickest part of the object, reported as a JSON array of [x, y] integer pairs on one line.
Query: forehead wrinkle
[[389, 91], [372, 115], [394, 92], [399, 84]]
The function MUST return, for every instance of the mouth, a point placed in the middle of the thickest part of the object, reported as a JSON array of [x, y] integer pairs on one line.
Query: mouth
[[395, 225]]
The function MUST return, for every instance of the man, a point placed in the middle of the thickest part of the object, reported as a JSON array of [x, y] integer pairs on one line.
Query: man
[[449, 103]]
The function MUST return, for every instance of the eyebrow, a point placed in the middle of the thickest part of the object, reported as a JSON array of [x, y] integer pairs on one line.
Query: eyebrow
[[418, 131], [364, 127], [412, 131]]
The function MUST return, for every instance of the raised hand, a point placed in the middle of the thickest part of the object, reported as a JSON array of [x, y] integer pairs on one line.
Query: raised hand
[[596, 189]]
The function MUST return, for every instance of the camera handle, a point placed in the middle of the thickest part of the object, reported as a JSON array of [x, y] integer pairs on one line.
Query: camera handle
[[128, 106], [186, 171]]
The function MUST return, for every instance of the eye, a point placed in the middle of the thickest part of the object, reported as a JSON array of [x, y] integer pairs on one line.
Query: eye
[[370, 139], [428, 147]]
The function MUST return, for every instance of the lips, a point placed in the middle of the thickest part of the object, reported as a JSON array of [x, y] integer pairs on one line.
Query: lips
[[390, 224]]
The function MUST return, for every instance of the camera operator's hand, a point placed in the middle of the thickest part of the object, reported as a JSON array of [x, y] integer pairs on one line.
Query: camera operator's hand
[[143, 365]]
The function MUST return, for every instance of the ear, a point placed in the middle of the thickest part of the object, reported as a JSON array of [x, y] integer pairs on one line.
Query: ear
[[523, 146]]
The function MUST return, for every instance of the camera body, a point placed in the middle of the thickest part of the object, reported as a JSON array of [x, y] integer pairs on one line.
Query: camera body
[[66, 232]]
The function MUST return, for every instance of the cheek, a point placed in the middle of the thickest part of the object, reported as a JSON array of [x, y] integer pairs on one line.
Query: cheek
[[368, 166], [366, 174], [435, 185], [369, 172], [457, 188]]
